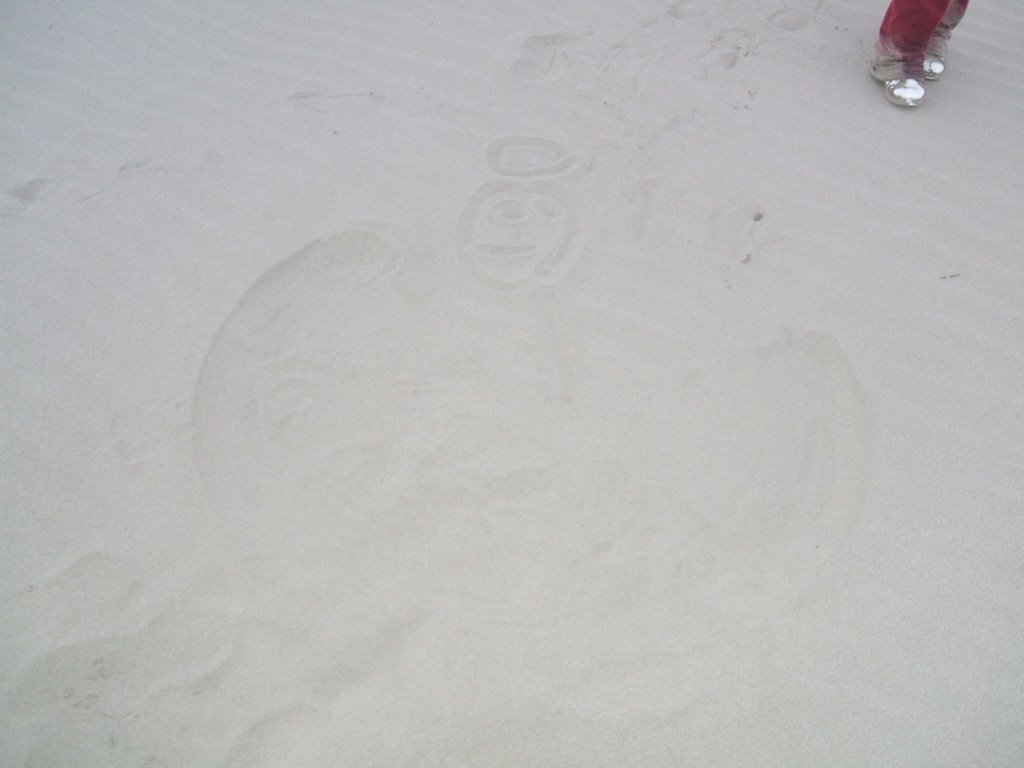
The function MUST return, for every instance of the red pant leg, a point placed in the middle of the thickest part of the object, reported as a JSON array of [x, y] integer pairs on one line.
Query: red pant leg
[[954, 14], [909, 24]]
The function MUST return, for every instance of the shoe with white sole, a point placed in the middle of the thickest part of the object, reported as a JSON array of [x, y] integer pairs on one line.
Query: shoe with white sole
[[935, 58], [902, 78]]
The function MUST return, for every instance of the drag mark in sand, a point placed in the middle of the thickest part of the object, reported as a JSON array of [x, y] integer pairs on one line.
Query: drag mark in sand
[[325, 102]]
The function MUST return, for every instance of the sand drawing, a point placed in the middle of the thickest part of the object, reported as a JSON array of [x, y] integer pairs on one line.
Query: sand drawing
[[424, 384], [330, 395], [783, 476], [300, 386], [529, 157], [329, 377], [514, 231], [523, 228], [498, 473]]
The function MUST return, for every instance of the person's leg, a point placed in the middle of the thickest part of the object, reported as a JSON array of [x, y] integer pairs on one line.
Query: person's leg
[[908, 25], [903, 38], [935, 54], [954, 15]]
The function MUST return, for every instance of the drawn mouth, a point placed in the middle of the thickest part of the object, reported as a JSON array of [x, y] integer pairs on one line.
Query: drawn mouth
[[506, 250]]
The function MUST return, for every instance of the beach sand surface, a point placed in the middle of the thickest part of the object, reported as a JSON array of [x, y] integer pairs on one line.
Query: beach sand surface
[[417, 383]]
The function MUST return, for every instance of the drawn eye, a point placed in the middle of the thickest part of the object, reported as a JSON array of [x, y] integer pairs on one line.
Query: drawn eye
[[510, 211], [547, 209]]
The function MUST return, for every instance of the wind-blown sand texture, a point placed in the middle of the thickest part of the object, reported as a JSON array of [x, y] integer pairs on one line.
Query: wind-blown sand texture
[[417, 383]]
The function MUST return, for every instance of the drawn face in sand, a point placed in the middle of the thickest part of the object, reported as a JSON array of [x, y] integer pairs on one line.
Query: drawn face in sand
[[511, 232], [522, 229]]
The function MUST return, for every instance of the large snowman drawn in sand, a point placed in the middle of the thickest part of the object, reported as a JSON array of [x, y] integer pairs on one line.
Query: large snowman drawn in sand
[[474, 435]]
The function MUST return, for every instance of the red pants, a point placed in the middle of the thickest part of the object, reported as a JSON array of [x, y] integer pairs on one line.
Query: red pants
[[909, 25]]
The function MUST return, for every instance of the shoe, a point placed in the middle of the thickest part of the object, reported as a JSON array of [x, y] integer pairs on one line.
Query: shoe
[[935, 58], [902, 78], [904, 91], [934, 66]]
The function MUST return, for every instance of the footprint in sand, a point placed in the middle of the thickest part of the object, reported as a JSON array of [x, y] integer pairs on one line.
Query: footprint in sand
[[722, 57], [791, 19], [76, 700], [23, 196], [728, 48], [111, 675], [736, 233], [544, 57], [684, 9]]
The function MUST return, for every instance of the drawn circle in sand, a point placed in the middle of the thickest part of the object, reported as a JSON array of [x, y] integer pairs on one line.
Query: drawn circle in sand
[[512, 232], [526, 157]]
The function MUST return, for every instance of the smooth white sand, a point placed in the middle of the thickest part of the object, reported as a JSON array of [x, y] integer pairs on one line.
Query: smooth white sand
[[418, 383]]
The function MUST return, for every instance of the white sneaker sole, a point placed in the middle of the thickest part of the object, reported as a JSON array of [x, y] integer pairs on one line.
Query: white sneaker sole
[[934, 66], [906, 92]]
